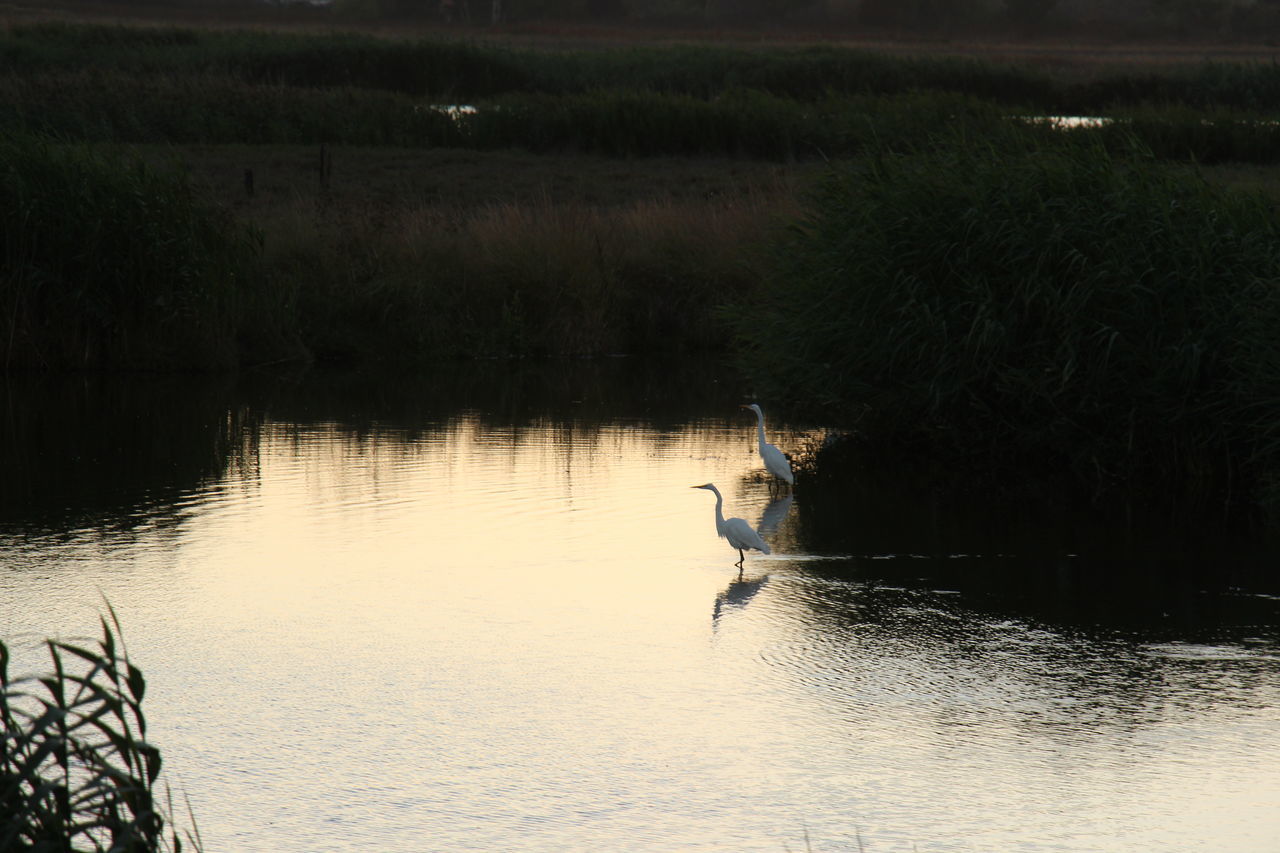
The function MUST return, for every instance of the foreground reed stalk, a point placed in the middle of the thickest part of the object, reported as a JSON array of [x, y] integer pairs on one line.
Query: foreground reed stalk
[[76, 770]]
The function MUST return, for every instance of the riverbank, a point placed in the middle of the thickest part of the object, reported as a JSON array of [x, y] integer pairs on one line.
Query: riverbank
[[349, 199]]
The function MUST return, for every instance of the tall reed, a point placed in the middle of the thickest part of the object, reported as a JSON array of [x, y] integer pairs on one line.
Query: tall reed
[[1059, 306], [77, 772], [453, 68], [155, 85], [106, 262], [519, 279]]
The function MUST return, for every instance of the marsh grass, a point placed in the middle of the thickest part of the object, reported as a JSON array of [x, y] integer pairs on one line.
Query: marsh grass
[[107, 262], [210, 109], [111, 263], [446, 65], [517, 279], [1051, 308], [77, 772], [165, 85]]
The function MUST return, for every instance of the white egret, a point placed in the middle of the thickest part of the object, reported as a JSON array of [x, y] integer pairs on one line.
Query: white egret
[[774, 460], [739, 533]]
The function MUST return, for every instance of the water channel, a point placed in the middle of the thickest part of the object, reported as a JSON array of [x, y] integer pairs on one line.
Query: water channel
[[481, 609]]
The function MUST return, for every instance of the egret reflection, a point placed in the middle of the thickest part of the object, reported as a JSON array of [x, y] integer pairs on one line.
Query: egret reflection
[[774, 514], [737, 595]]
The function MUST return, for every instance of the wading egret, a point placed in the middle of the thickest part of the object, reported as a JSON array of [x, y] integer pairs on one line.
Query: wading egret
[[774, 460], [736, 530]]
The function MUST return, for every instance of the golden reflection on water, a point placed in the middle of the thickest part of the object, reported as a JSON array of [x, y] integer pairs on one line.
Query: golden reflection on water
[[477, 634]]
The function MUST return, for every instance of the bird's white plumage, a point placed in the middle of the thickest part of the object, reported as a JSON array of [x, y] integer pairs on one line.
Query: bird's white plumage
[[737, 531], [741, 536], [775, 461]]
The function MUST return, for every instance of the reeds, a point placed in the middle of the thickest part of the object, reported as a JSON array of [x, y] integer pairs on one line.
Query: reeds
[[106, 262], [1056, 307], [212, 109], [519, 279], [109, 264], [449, 68], [77, 772], [173, 86]]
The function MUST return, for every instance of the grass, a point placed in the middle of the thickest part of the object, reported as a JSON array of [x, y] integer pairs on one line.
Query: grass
[[76, 770], [962, 280], [141, 272], [189, 87], [389, 178], [106, 262], [407, 255], [510, 279], [1054, 308]]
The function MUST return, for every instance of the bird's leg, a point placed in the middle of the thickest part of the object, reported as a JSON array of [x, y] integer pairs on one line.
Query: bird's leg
[[741, 557]]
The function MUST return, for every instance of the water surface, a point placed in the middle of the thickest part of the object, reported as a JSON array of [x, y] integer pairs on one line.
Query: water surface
[[483, 610]]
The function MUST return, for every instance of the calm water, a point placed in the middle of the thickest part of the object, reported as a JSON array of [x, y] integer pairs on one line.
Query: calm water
[[487, 612]]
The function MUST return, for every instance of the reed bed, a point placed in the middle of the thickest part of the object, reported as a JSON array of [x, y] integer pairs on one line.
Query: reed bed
[[470, 69], [115, 108], [148, 86], [77, 772], [518, 279], [1063, 308], [108, 263], [475, 69], [974, 281]]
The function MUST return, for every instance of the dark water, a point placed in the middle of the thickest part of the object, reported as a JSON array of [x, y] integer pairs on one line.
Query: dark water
[[481, 608]]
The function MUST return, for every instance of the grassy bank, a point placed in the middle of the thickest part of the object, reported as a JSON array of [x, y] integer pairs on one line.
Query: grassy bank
[[518, 279], [1050, 309], [189, 86], [478, 65], [967, 281], [112, 263], [106, 262]]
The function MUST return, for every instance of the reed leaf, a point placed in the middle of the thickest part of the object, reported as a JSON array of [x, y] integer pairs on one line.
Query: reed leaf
[[73, 775], [1058, 308]]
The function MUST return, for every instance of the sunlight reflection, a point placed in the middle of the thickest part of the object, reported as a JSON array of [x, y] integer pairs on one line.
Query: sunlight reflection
[[452, 630]]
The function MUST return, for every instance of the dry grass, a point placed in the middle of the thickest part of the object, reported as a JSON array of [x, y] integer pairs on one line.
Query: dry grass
[[1082, 51], [374, 178], [540, 277]]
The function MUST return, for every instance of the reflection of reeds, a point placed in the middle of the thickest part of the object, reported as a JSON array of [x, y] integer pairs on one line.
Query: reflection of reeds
[[76, 769]]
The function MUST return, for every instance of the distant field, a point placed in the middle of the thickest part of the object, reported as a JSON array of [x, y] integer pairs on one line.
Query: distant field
[[284, 175], [1081, 52]]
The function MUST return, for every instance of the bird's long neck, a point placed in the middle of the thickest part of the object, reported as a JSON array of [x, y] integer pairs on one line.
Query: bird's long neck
[[760, 427], [719, 509]]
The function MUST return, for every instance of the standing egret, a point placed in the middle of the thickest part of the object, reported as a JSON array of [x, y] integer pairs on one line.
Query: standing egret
[[774, 460], [739, 533]]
